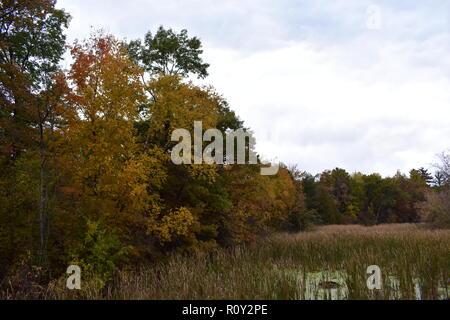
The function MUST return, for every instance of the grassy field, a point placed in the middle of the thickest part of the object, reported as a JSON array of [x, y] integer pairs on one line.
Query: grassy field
[[330, 263]]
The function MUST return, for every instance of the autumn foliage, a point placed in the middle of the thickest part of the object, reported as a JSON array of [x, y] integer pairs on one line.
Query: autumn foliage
[[86, 171], [86, 176]]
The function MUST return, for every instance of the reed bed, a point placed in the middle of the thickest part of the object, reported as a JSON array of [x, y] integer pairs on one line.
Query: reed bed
[[329, 263]]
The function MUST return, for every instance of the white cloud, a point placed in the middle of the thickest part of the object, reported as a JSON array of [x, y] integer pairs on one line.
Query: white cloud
[[317, 87]]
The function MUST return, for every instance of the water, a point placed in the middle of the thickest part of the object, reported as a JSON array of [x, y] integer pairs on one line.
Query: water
[[332, 285]]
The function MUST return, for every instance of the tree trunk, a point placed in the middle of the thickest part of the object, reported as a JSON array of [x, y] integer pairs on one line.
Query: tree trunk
[[42, 199]]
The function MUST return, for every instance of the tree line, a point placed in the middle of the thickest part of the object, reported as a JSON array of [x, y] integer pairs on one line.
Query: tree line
[[337, 197], [85, 171]]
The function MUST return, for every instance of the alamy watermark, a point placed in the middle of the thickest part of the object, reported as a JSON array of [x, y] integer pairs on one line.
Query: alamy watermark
[[239, 145], [74, 280], [374, 280]]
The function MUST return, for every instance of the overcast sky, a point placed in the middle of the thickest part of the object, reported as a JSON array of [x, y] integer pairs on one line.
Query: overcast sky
[[361, 85]]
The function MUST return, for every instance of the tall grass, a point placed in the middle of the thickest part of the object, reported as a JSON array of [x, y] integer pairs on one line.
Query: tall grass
[[329, 263]]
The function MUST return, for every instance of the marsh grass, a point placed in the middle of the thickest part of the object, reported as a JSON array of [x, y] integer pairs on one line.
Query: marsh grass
[[329, 263]]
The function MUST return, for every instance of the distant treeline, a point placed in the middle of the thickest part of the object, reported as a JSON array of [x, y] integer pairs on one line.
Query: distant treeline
[[85, 171], [336, 197]]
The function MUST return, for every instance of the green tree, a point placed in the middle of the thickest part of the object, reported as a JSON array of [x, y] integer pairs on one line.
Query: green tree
[[169, 53], [422, 173]]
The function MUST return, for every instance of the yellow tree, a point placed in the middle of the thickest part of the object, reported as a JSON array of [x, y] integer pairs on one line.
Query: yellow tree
[[261, 204], [176, 104], [113, 183], [100, 134], [116, 178]]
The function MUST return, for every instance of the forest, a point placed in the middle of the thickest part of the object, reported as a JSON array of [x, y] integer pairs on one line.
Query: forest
[[86, 176]]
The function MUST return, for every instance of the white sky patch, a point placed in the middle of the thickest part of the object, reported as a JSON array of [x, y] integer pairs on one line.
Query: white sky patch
[[308, 107], [315, 85]]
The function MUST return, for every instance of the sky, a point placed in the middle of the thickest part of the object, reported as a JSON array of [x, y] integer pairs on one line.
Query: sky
[[360, 85]]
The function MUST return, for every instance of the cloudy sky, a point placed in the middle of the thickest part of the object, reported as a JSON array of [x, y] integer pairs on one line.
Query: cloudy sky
[[362, 85]]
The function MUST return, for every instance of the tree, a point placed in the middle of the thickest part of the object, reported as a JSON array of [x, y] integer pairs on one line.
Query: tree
[[436, 209], [439, 179], [114, 181], [201, 189], [176, 105], [341, 188], [300, 219], [443, 167], [326, 202], [424, 174], [169, 53], [260, 204], [31, 45], [309, 189]]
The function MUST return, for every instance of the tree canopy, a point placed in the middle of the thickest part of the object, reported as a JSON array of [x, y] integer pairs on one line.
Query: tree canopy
[[86, 175]]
